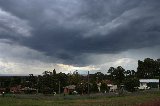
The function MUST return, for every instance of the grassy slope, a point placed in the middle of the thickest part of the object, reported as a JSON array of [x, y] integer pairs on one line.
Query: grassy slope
[[129, 100]]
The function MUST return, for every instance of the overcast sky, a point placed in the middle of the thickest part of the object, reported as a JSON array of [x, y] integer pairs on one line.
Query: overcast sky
[[84, 35]]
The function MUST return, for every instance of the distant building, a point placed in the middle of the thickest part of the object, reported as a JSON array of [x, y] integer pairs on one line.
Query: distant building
[[12, 83], [16, 89], [2, 90], [112, 88], [99, 87], [69, 89], [148, 83], [28, 90]]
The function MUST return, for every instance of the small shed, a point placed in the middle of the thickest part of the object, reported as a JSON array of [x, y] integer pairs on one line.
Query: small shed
[[149, 83]]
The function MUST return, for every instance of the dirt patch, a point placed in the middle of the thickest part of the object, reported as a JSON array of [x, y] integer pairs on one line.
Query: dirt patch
[[151, 103]]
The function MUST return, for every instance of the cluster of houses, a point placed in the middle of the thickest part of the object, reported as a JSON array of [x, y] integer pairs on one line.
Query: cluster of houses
[[18, 90], [145, 84], [14, 89]]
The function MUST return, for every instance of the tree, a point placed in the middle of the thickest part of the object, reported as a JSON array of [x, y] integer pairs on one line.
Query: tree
[[117, 75], [128, 73], [131, 81], [32, 81], [131, 84], [75, 78], [94, 87], [99, 76], [15, 81], [63, 80], [48, 82], [81, 87], [140, 70], [111, 72], [148, 68], [54, 72], [104, 87]]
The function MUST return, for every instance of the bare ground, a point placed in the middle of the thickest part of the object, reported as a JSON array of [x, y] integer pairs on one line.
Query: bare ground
[[151, 103]]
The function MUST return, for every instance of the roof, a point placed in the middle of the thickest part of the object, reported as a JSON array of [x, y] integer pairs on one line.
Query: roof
[[149, 80], [70, 87]]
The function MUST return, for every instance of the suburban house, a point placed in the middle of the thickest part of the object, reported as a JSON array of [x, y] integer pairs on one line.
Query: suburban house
[[2, 90], [16, 89], [28, 90], [99, 87], [69, 89], [112, 88], [148, 83], [6, 80]]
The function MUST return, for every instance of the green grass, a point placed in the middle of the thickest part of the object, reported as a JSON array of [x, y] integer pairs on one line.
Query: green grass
[[94, 100]]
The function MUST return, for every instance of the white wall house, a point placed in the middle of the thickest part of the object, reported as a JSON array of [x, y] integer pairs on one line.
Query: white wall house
[[148, 83], [99, 87], [112, 88]]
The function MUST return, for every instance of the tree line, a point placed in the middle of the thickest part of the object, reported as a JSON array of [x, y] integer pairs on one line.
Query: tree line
[[51, 81]]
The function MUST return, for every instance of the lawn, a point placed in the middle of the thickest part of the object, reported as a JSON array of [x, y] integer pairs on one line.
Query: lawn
[[132, 99]]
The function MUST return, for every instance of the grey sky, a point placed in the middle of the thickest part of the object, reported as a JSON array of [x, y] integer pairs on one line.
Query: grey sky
[[38, 35]]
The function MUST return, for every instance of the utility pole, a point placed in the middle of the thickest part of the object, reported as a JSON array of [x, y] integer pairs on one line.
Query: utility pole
[[59, 87], [88, 82], [37, 84]]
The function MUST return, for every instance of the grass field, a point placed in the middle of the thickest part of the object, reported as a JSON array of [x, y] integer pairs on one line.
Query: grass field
[[132, 99]]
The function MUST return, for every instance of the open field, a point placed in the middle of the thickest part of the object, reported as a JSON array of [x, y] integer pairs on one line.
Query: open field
[[133, 99]]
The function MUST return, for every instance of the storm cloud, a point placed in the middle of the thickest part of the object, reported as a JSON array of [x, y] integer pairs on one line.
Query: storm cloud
[[72, 31]]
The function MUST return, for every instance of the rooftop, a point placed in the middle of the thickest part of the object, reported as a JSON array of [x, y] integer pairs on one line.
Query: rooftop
[[149, 80]]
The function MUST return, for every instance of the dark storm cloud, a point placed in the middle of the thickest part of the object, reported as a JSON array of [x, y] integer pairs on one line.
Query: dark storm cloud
[[72, 29]]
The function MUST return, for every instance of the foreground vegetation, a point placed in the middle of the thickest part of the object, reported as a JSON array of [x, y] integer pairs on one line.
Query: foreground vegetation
[[132, 99]]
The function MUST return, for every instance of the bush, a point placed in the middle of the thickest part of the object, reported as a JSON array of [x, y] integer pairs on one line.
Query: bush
[[131, 83]]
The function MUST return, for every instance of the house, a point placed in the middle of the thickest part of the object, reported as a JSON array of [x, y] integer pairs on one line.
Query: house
[[99, 87], [148, 83], [15, 89], [28, 90], [112, 88], [69, 89], [2, 90]]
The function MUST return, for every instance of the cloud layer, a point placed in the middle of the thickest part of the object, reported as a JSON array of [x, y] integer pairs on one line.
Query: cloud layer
[[77, 32]]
